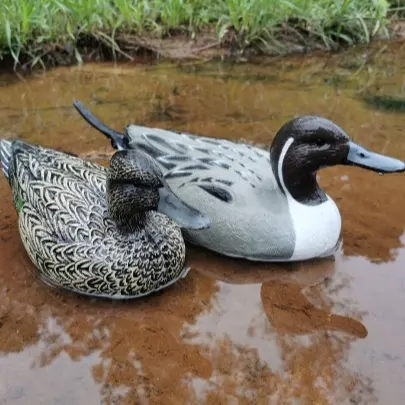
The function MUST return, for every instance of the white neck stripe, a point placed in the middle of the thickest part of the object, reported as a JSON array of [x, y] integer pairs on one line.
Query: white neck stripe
[[280, 163]]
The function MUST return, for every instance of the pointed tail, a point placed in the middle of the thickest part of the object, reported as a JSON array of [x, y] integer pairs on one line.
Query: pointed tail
[[118, 141], [5, 157]]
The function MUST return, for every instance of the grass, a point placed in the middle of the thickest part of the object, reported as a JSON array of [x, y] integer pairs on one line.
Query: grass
[[31, 28]]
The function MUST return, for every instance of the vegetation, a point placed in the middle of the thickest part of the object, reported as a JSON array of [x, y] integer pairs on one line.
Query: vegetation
[[30, 28]]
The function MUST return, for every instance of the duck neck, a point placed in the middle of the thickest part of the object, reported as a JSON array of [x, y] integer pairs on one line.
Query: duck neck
[[303, 187], [134, 224], [294, 176], [130, 206]]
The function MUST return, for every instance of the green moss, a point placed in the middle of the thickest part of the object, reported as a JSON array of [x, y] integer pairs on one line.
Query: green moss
[[19, 204]]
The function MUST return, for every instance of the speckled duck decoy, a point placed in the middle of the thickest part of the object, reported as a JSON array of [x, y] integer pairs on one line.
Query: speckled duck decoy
[[98, 231], [263, 206]]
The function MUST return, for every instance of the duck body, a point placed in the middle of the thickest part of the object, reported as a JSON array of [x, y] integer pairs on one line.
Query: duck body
[[68, 232], [251, 216], [263, 205]]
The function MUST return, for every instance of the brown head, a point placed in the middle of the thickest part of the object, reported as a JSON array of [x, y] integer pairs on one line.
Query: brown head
[[306, 144], [136, 186]]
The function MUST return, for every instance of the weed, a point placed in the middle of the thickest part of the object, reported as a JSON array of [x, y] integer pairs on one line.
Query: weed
[[28, 26]]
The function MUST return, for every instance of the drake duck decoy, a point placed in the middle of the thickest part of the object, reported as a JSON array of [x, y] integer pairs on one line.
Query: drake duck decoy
[[105, 232], [263, 206]]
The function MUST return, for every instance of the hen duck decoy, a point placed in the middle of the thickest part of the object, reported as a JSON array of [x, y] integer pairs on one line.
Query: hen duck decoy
[[263, 206], [94, 230]]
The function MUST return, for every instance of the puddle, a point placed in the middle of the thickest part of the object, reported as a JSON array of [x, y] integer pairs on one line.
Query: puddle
[[232, 332]]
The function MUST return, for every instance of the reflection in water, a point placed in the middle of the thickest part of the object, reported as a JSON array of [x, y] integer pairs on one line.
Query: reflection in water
[[326, 332], [275, 337], [238, 336], [386, 103]]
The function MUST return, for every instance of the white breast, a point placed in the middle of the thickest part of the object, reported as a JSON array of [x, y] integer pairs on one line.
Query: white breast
[[317, 228]]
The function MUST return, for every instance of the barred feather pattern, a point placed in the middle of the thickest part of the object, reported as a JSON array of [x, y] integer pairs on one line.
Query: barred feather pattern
[[68, 234], [215, 165]]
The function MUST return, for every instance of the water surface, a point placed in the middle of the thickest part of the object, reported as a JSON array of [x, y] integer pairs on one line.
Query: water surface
[[232, 332]]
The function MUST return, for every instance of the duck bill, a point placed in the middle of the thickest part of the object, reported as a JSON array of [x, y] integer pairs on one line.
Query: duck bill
[[180, 212], [359, 156]]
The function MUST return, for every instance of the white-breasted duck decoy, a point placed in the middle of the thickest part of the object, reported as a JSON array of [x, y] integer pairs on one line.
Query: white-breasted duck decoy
[[263, 206], [105, 232]]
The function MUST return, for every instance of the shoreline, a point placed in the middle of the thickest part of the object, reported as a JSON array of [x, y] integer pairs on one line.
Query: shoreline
[[176, 48], [179, 45]]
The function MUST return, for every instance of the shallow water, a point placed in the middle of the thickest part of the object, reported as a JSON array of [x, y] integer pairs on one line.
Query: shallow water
[[232, 332]]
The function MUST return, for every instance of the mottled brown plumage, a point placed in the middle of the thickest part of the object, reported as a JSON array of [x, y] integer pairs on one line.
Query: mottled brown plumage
[[93, 230]]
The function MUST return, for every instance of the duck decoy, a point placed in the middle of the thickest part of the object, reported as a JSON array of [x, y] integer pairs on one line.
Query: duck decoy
[[104, 232], [263, 206]]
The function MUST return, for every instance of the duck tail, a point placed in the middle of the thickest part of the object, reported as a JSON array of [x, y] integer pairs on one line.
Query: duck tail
[[118, 141], [5, 157]]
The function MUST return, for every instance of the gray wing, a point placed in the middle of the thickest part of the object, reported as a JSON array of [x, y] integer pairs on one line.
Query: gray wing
[[232, 183], [214, 165]]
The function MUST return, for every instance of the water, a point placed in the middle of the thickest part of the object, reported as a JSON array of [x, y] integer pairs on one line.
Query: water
[[232, 332]]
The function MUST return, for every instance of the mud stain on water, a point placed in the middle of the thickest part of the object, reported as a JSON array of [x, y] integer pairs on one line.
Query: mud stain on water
[[232, 332]]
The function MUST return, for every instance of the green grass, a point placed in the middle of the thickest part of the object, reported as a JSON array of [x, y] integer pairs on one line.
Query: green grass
[[28, 27]]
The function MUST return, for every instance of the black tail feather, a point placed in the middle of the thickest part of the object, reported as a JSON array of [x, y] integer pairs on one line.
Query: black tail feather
[[118, 141]]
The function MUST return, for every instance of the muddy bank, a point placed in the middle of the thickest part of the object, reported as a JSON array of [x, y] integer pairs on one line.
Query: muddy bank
[[177, 46], [322, 332]]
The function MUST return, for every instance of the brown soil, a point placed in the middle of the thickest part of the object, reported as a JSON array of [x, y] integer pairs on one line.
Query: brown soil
[[177, 46], [320, 332]]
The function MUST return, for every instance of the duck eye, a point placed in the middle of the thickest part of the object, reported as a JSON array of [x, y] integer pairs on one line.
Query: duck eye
[[320, 142]]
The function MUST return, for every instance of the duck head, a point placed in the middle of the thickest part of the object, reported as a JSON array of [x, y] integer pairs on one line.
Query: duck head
[[306, 144], [135, 186]]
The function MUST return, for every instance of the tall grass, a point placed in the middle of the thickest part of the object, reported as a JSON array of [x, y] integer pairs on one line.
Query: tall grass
[[26, 26]]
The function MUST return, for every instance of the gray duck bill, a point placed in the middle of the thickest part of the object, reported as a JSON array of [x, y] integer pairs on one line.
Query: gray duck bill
[[359, 156], [180, 212]]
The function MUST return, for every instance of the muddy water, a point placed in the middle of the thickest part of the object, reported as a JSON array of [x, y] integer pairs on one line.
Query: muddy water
[[232, 332]]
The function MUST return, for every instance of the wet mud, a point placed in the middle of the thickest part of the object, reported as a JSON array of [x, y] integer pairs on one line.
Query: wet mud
[[233, 332]]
